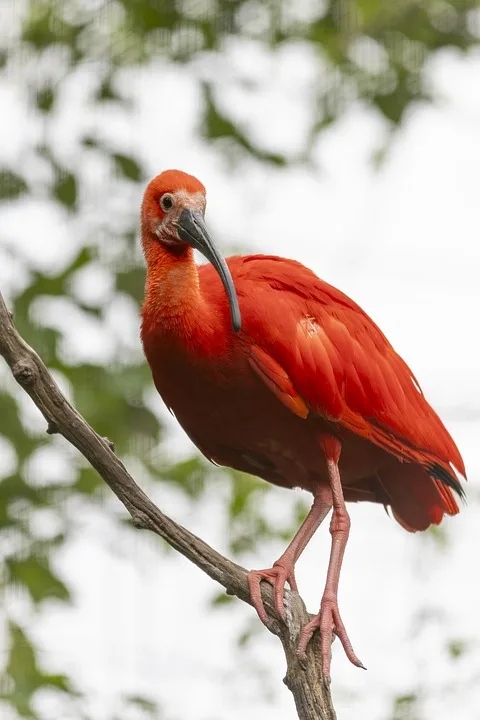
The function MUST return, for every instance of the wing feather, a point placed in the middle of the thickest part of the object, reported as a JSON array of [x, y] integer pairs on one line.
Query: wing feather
[[275, 377], [333, 360]]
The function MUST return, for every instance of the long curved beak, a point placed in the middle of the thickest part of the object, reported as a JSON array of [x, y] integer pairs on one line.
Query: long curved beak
[[192, 229]]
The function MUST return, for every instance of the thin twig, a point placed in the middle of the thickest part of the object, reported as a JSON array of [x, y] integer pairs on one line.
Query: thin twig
[[303, 677]]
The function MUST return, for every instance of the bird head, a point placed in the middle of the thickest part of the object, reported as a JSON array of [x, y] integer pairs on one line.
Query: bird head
[[173, 210]]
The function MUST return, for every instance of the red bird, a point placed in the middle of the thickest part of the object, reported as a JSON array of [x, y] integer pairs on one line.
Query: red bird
[[274, 372]]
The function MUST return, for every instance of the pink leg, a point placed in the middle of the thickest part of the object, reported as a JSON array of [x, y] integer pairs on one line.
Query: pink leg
[[328, 619], [283, 569]]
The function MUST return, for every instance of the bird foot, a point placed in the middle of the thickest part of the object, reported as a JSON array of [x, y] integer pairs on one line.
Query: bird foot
[[277, 576], [329, 623]]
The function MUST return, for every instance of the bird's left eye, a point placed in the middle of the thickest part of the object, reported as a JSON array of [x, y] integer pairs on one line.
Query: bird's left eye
[[166, 202]]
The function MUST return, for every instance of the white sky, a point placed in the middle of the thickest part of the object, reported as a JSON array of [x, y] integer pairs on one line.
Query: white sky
[[403, 242]]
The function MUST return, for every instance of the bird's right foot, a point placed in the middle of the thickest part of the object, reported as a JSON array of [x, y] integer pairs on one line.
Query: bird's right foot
[[277, 576]]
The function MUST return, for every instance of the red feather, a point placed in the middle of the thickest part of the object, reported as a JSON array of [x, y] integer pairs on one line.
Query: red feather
[[317, 349], [323, 359]]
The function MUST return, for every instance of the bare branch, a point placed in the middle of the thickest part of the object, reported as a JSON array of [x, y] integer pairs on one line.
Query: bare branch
[[303, 678]]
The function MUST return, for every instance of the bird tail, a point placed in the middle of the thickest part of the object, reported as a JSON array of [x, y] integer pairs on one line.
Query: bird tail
[[419, 496]]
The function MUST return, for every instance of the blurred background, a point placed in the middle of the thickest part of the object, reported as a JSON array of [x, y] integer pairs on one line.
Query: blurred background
[[345, 134]]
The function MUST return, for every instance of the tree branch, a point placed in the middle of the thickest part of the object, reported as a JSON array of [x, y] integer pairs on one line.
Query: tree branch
[[303, 677]]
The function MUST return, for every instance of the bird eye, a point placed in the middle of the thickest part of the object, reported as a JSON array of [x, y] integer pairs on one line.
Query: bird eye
[[166, 202]]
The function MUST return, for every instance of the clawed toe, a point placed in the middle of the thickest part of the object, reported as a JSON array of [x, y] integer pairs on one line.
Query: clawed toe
[[330, 624], [277, 576]]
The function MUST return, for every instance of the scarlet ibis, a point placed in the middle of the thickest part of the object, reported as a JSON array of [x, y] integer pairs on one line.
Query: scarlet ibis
[[274, 372]]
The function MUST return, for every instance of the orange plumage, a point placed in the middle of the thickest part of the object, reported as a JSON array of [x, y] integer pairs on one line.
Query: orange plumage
[[308, 364]]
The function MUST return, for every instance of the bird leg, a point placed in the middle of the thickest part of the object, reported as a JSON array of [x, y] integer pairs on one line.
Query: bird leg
[[283, 569], [328, 620]]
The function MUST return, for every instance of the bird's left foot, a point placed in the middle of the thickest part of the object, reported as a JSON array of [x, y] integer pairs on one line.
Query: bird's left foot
[[329, 623], [277, 576]]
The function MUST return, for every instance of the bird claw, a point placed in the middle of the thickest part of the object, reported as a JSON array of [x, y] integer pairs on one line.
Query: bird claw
[[329, 623], [277, 576]]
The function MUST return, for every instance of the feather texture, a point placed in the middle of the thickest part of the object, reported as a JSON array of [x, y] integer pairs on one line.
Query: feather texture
[[318, 356], [322, 355]]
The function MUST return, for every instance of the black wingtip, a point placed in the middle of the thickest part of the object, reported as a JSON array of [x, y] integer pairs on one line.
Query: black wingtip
[[439, 473]]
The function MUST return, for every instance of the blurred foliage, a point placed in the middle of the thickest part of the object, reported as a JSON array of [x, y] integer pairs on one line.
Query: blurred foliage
[[27, 677], [406, 707], [375, 51]]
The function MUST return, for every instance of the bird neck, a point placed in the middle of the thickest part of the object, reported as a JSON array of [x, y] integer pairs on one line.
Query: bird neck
[[173, 300]]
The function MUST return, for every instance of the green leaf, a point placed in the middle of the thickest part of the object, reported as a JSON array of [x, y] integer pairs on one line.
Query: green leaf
[[216, 125], [14, 488], [35, 575], [85, 255], [128, 167], [12, 428], [11, 185], [59, 682], [65, 189], [189, 474], [132, 282], [457, 648], [89, 141], [437, 535], [89, 481], [26, 675], [145, 16], [405, 707], [221, 599], [106, 92], [22, 669], [42, 339], [45, 99], [148, 706], [142, 421], [111, 399], [243, 488], [46, 26]]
